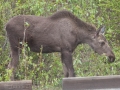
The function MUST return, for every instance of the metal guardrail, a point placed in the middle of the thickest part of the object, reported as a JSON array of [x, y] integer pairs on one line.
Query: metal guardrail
[[16, 85], [72, 83], [92, 83]]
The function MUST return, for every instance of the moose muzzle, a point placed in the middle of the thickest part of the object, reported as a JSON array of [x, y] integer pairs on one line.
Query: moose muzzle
[[111, 58]]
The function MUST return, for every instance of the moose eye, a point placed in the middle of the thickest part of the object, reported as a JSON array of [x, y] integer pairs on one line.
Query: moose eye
[[102, 43]]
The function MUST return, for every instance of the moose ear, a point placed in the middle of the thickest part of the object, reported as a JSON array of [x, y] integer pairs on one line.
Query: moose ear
[[101, 30]]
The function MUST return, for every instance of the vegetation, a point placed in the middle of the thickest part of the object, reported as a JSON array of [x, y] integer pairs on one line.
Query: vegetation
[[45, 69]]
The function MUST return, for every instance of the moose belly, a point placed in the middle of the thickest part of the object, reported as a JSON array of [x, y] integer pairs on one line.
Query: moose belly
[[45, 49]]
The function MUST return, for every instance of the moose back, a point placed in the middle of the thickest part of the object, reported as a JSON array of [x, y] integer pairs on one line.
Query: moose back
[[62, 32]]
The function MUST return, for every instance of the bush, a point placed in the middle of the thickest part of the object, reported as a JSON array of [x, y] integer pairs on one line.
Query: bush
[[46, 69]]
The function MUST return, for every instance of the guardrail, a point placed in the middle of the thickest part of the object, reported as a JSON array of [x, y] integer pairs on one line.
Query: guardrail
[[72, 83], [16, 85], [92, 83]]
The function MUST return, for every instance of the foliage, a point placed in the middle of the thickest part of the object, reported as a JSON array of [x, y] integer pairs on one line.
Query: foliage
[[45, 69]]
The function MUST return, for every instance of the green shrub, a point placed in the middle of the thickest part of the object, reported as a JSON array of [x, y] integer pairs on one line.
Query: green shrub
[[46, 69]]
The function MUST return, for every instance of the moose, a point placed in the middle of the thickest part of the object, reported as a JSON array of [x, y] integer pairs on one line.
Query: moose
[[61, 32]]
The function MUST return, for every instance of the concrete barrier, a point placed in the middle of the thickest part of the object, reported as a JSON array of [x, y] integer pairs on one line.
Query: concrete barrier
[[16, 85], [92, 83]]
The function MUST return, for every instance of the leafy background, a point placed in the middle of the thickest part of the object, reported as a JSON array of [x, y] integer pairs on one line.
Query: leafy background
[[45, 69]]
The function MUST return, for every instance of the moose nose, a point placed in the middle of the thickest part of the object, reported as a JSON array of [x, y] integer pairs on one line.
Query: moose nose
[[111, 58]]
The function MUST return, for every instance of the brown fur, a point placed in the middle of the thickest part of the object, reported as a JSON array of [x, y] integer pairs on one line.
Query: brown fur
[[61, 32], [77, 21]]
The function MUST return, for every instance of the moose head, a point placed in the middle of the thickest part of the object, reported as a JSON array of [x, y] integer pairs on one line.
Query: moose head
[[100, 45]]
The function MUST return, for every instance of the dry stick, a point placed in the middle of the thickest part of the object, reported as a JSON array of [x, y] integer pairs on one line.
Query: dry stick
[[40, 56], [5, 43], [23, 45]]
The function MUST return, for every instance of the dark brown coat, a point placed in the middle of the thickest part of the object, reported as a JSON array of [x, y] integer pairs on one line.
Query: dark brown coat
[[61, 32]]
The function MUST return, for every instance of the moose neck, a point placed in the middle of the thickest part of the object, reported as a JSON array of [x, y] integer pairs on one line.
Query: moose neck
[[85, 35]]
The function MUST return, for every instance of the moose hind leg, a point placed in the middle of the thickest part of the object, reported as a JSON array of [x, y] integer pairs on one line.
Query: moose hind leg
[[14, 61], [66, 57]]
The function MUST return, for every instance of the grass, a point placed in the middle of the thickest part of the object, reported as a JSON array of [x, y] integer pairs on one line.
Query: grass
[[46, 88]]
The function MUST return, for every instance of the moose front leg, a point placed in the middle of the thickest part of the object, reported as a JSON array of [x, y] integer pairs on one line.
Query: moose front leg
[[67, 62], [14, 62]]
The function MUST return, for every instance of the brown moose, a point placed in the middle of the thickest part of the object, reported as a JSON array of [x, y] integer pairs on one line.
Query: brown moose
[[62, 32]]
